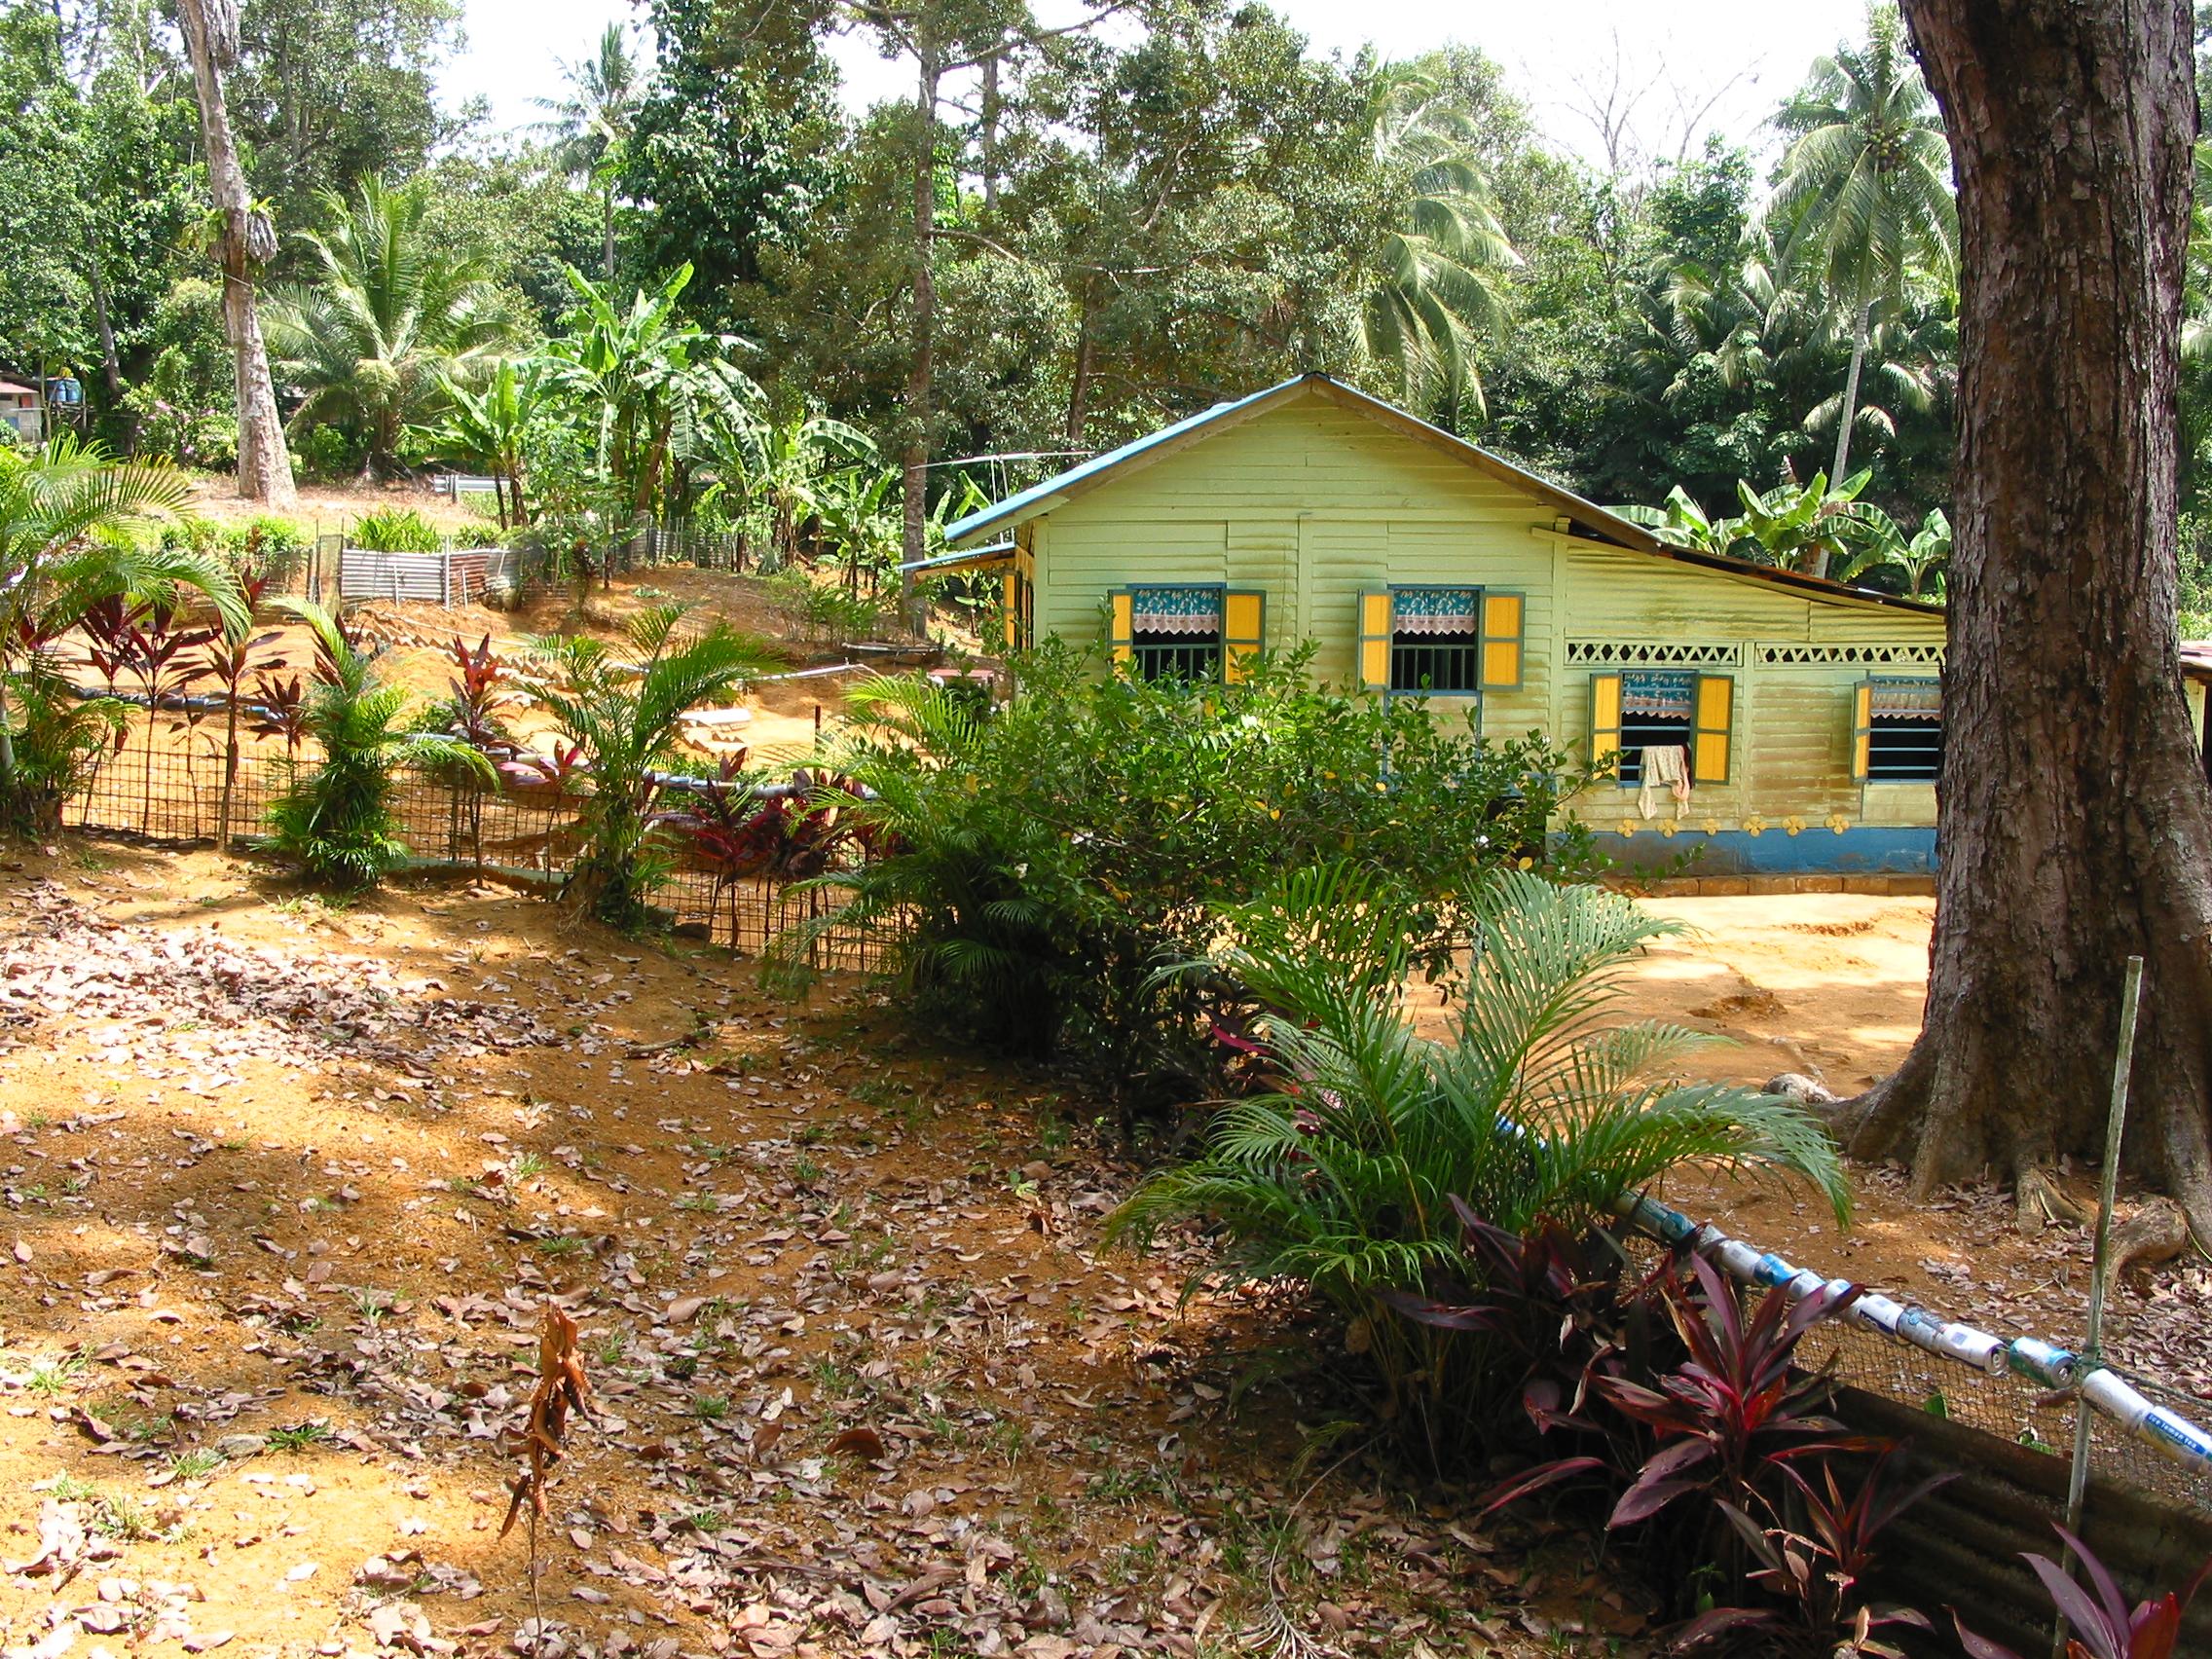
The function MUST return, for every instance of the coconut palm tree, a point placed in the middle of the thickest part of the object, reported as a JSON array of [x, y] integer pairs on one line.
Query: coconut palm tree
[[366, 344], [590, 126], [1865, 205], [1438, 271]]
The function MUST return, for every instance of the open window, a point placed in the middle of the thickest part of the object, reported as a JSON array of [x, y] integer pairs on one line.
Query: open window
[[1639, 708], [1167, 633], [1898, 731], [1445, 642]]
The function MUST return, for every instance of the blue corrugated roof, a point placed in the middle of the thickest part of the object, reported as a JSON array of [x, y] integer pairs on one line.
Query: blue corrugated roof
[[998, 511]]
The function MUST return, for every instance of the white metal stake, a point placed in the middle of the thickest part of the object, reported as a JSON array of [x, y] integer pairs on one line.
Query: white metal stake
[[2092, 1350]]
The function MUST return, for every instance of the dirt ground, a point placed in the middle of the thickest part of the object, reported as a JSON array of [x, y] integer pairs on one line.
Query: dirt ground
[[334, 506], [288, 1188]]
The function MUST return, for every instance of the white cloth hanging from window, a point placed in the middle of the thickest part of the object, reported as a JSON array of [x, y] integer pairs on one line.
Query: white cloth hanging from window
[[1666, 763]]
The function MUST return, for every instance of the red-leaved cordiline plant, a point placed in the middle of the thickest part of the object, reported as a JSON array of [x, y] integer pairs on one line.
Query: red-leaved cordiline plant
[[2102, 1627]]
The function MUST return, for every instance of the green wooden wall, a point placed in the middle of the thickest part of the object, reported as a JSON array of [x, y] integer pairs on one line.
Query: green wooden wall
[[1314, 502]]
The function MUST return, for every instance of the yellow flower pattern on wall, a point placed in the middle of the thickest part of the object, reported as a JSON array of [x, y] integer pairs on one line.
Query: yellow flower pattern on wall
[[1711, 825], [1754, 825], [1838, 822], [1793, 824], [1627, 828]]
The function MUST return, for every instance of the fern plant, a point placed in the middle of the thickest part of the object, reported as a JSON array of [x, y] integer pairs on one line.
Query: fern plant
[[336, 819], [1537, 1112]]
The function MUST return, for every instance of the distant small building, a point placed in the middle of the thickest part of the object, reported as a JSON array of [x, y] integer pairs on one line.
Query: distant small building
[[22, 408], [2196, 680]]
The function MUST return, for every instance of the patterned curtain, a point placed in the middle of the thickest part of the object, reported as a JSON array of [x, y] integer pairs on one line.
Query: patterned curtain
[[1432, 611], [1176, 609], [1908, 700], [1662, 696]]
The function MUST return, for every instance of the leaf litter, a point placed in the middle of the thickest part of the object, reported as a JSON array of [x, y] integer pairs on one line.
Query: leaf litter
[[862, 1378]]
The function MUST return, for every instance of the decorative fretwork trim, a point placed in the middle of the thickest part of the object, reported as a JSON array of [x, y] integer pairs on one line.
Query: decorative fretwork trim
[[1931, 655], [1638, 651]]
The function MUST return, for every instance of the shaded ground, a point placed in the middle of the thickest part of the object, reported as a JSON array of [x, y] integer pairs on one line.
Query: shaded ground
[[287, 1187]]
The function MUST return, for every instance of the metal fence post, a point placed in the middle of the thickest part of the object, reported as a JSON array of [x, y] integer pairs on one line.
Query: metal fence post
[[2092, 1350]]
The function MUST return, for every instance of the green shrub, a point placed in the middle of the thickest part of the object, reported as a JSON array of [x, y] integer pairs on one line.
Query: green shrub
[[396, 530], [336, 817], [821, 611], [1536, 1113], [59, 742], [1044, 862]]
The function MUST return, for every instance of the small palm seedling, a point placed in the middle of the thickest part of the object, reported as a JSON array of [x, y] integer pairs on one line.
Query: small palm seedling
[[298, 1436], [1537, 1112], [561, 1388], [337, 820]]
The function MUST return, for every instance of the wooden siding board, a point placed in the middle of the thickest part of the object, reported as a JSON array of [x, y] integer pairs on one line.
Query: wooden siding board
[[1314, 504]]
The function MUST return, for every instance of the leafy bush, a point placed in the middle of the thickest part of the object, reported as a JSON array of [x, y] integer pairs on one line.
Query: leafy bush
[[1045, 860], [1674, 1393], [821, 611], [335, 820], [1536, 1114], [2103, 1625], [58, 745], [396, 530]]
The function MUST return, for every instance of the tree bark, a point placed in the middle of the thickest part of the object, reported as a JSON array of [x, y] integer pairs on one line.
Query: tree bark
[[2076, 823], [1085, 355], [915, 460], [1859, 331], [246, 241]]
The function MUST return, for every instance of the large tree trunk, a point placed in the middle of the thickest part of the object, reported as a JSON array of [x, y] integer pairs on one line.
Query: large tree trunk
[[2076, 821], [915, 459], [248, 240]]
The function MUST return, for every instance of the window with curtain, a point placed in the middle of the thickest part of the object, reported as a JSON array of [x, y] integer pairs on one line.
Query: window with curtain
[[1175, 632], [1436, 641]]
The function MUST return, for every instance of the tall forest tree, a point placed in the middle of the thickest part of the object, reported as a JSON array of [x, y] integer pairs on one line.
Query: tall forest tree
[[2076, 821], [244, 241]]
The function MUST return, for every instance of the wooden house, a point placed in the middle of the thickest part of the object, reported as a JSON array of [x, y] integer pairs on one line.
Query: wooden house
[[1806, 714], [21, 408]]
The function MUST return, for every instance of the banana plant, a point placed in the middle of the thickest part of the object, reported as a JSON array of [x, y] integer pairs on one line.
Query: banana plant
[[1804, 527], [1923, 558]]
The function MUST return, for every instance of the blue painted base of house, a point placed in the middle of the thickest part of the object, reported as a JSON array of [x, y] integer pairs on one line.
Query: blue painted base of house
[[1815, 850]]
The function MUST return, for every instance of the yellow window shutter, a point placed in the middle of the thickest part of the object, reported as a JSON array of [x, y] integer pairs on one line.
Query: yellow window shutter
[[1011, 598], [1243, 629], [1375, 639], [1120, 628], [1504, 622], [1604, 720], [1861, 727], [1716, 713]]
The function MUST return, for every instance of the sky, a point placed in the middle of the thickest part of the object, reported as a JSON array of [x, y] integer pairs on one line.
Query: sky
[[1673, 73]]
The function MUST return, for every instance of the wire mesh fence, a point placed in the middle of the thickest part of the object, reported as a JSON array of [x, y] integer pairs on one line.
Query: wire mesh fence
[[176, 792], [2021, 1410]]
